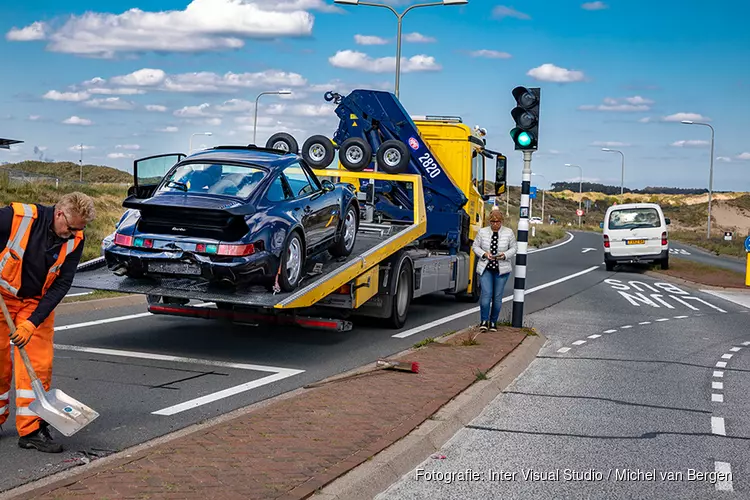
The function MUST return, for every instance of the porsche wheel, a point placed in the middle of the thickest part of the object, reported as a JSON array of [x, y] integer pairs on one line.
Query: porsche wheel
[[282, 141], [292, 263], [347, 234], [355, 154], [393, 157], [318, 151]]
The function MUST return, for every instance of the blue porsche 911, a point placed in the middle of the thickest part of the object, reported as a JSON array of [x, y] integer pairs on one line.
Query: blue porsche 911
[[231, 215]]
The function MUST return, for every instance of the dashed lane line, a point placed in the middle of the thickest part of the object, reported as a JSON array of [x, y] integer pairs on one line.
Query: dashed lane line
[[724, 472], [717, 426]]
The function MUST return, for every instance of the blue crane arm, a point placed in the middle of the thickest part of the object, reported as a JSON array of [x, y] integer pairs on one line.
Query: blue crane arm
[[378, 116]]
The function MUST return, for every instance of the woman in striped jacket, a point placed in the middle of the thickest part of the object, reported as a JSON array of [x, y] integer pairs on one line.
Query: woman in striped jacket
[[495, 246]]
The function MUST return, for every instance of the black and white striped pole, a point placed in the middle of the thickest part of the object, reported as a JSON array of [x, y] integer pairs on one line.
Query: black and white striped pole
[[525, 136]]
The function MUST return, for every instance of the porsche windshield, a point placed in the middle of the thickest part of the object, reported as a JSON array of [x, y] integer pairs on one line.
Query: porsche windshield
[[213, 178]]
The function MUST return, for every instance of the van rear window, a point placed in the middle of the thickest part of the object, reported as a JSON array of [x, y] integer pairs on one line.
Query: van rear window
[[629, 218]]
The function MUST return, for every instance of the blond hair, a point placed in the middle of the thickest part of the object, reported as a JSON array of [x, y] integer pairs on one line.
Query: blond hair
[[79, 204], [496, 214]]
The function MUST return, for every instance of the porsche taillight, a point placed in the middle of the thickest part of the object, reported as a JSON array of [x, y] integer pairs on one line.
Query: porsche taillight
[[123, 240], [606, 241], [236, 250]]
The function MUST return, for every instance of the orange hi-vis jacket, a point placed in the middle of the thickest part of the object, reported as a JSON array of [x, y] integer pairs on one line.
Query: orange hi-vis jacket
[[11, 258]]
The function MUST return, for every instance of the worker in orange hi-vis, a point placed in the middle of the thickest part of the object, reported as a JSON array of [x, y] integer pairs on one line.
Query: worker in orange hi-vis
[[40, 248]]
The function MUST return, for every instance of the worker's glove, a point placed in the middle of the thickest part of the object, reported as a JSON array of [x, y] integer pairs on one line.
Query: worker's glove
[[23, 334]]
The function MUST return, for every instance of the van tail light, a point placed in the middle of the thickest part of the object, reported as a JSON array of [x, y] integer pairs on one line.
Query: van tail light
[[606, 241], [664, 240]]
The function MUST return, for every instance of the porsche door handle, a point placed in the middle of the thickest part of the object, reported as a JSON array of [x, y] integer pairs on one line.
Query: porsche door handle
[[308, 209]]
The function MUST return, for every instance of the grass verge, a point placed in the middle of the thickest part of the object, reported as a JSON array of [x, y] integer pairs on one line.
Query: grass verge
[[703, 274], [96, 294], [716, 245]]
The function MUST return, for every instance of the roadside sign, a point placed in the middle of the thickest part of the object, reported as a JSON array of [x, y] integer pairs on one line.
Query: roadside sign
[[579, 213], [588, 204], [728, 235], [532, 193], [747, 244]]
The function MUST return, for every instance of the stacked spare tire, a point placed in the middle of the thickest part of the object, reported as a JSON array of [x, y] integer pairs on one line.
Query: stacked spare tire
[[355, 153]]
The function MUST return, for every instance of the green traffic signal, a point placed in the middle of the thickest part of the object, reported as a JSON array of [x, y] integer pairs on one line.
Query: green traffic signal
[[524, 139], [525, 134]]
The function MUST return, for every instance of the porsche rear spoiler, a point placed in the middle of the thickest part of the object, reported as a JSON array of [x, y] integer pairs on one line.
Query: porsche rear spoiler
[[142, 205]]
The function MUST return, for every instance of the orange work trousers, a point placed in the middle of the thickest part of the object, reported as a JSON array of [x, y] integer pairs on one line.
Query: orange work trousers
[[40, 351]]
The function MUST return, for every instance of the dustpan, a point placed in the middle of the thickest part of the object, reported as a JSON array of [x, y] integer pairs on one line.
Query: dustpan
[[59, 410]]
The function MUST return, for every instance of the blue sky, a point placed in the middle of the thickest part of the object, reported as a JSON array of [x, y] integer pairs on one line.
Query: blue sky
[[140, 77]]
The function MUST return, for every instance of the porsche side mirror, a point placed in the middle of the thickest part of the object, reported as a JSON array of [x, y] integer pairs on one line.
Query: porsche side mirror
[[328, 185]]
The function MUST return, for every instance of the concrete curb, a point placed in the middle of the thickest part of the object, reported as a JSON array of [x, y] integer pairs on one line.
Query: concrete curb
[[384, 469], [693, 284]]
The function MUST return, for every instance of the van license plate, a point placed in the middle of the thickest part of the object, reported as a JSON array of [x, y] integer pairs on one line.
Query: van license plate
[[174, 268], [635, 242]]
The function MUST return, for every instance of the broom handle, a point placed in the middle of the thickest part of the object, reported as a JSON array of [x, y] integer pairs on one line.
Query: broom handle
[[21, 350]]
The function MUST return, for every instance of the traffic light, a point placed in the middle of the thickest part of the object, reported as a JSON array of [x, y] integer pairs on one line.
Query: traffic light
[[525, 134]]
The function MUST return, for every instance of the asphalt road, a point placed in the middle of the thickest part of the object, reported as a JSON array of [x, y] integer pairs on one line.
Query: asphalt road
[[689, 252], [150, 375], [638, 393]]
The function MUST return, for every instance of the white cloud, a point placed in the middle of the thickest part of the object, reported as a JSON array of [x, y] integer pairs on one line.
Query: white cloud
[[743, 156], [114, 103], [120, 155], [79, 147], [594, 5], [418, 38], [168, 129], [724, 159], [236, 106], [678, 117], [310, 110], [205, 81], [204, 25], [551, 73], [350, 59], [625, 104], [490, 54], [132, 147], [646, 120], [156, 107], [32, 32], [502, 11], [34, 118], [202, 110], [369, 40], [75, 120], [690, 144], [610, 144], [145, 77], [54, 95]]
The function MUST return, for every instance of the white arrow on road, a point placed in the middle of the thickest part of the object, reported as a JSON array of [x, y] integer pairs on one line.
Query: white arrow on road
[[588, 250]]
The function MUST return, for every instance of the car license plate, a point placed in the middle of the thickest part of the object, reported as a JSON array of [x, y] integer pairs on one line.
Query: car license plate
[[635, 242], [174, 268]]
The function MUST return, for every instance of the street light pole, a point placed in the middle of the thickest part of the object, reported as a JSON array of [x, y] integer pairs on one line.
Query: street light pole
[[190, 149], [541, 175], [80, 166], [255, 120], [580, 190], [622, 173], [400, 18], [711, 172]]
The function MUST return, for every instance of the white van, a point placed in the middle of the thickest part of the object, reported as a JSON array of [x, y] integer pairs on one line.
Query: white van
[[635, 233]]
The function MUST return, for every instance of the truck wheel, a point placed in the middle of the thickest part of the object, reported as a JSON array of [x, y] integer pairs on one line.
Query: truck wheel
[[292, 263], [355, 154], [318, 151], [347, 236], [402, 290], [283, 142], [393, 157]]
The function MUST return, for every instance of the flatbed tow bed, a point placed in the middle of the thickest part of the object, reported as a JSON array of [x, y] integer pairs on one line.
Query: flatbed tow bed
[[334, 285]]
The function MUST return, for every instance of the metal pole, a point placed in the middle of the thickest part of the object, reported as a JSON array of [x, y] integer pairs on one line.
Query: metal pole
[[543, 206], [255, 120], [80, 166], [622, 174], [398, 53], [519, 285], [580, 194], [507, 200], [710, 182]]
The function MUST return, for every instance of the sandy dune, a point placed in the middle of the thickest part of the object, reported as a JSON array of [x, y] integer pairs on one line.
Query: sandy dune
[[731, 218]]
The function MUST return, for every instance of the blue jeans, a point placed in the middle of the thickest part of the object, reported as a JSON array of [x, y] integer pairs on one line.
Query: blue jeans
[[492, 285]]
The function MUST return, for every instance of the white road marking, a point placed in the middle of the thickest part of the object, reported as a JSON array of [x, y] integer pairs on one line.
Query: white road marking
[[717, 398], [727, 356], [102, 321], [474, 310], [610, 331], [739, 297], [644, 323], [724, 470], [680, 317], [277, 374], [718, 374], [717, 385], [626, 327], [717, 426], [81, 294], [535, 250], [663, 319], [735, 349], [579, 342], [563, 349], [721, 364], [595, 336], [746, 343], [588, 250]]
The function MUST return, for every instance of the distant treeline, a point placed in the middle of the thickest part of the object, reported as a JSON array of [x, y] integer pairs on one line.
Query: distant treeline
[[613, 190]]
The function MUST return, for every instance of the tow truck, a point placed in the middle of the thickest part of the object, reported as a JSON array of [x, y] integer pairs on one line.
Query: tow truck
[[422, 196]]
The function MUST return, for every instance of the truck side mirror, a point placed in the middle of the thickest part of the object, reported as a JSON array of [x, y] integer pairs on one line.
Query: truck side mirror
[[501, 175]]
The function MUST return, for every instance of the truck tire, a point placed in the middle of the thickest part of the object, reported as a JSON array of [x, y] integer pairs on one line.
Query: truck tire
[[355, 154], [318, 151], [393, 157], [402, 293], [283, 142]]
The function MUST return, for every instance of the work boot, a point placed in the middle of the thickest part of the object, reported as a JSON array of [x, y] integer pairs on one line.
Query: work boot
[[41, 439]]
